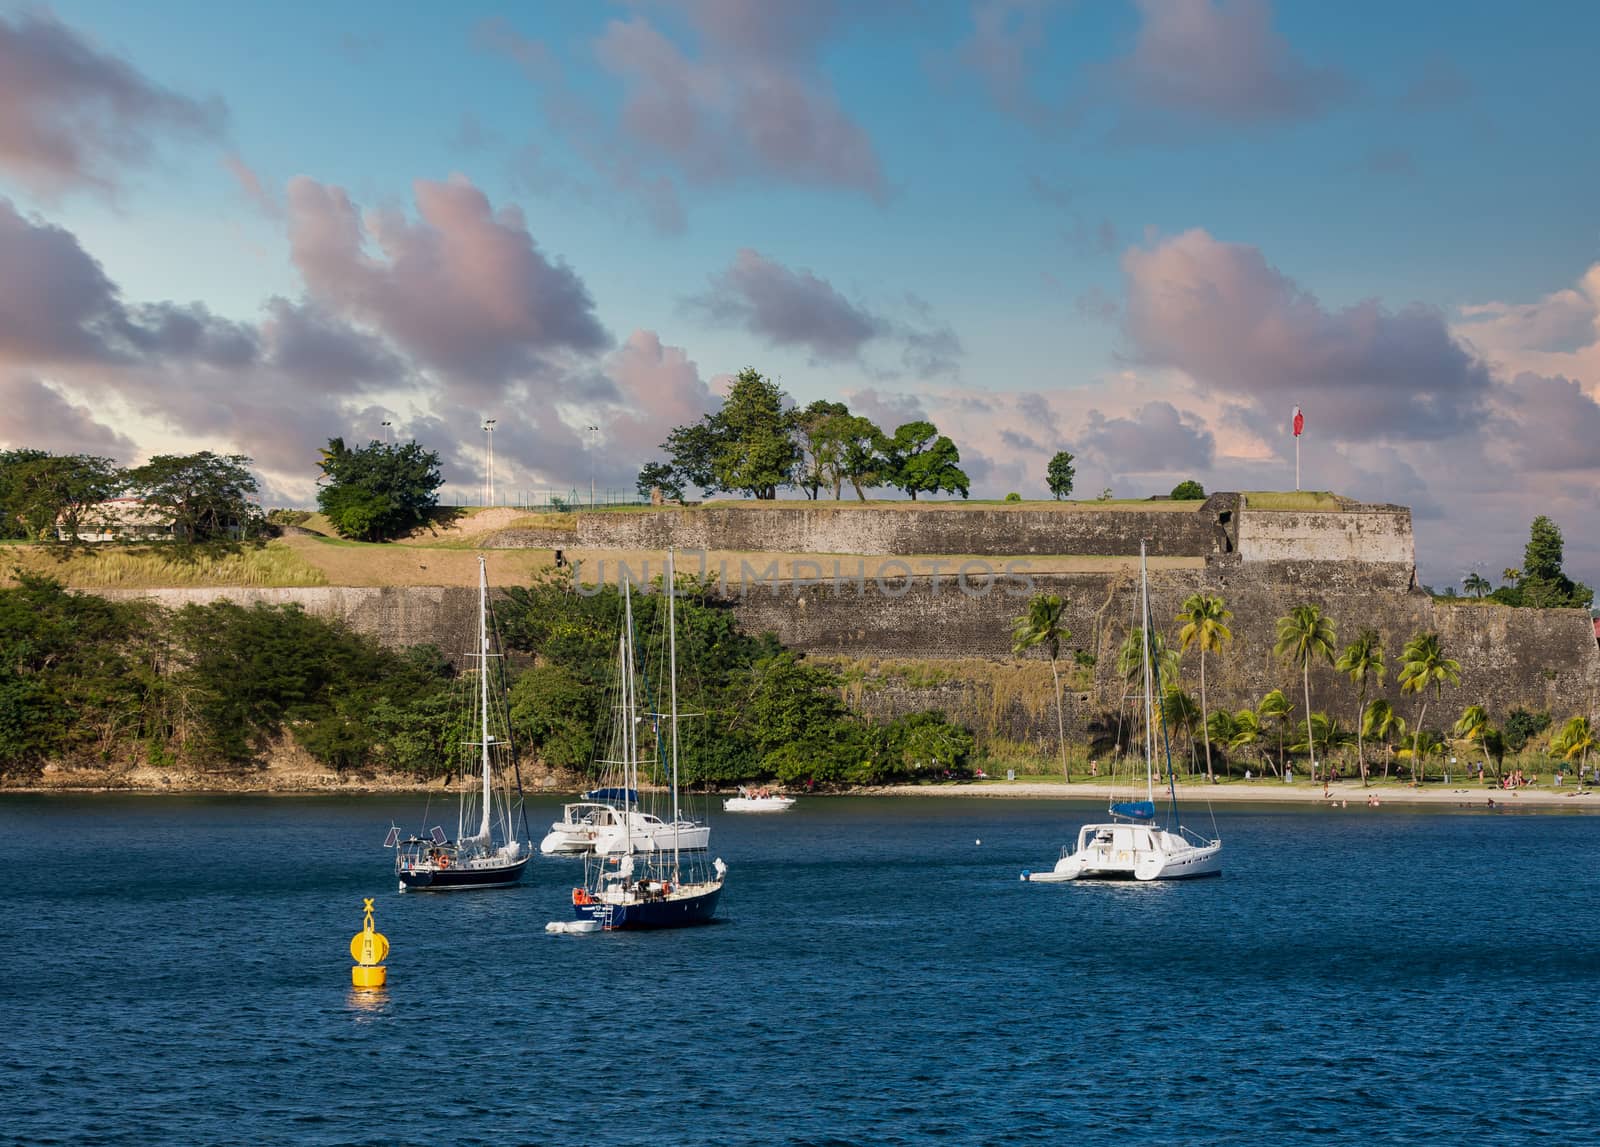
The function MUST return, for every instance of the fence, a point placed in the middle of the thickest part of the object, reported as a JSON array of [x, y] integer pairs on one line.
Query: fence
[[545, 501]]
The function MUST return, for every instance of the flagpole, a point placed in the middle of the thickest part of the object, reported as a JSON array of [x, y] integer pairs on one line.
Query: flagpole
[[1297, 462]]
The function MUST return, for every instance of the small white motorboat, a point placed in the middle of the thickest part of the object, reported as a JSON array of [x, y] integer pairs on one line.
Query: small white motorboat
[[760, 801]]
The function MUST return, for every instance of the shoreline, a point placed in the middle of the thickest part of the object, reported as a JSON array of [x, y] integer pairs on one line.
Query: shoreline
[[1275, 793]]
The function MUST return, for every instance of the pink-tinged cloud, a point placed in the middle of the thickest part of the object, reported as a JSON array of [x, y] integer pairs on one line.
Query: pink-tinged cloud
[[260, 196], [34, 414], [464, 288], [1002, 52], [1554, 425], [1242, 329], [1557, 335], [658, 387], [798, 308], [753, 102], [1155, 439], [1202, 62], [72, 116]]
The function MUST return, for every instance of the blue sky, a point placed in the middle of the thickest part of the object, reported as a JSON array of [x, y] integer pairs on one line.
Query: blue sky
[[1140, 231]]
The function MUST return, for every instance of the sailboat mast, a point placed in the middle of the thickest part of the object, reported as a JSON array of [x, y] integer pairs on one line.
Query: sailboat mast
[[630, 770], [483, 685], [1149, 707], [672, 677]]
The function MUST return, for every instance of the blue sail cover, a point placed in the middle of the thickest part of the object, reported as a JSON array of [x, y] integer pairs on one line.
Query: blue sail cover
[[1135, 810], [627, 796]]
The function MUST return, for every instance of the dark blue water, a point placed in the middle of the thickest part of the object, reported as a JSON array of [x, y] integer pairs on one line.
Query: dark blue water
[[176, 971]]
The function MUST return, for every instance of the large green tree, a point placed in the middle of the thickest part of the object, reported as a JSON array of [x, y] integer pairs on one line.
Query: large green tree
[[1304, 636], [920, 460], [1205, 625], [1423, 663], [860, 462], [51, 495], [1041, 628], [1544, 584], [756, 451], [1362, 662], [379, 491], [1058, 475], [12, 524], [820, 432], [205, 496]]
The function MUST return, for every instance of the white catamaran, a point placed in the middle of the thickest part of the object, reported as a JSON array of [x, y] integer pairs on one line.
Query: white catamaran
[[1132, 847], [493, 854]]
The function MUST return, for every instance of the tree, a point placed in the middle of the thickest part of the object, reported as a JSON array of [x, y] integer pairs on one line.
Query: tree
[[1472, 724], [205, 496], [50, 494], [557, 713], [1383, 724], [1274, 713], [1575, 739], [1041, 627], [756, 452], [1205, 617], [1543, 584], [379, 491], [1523, 726], [1188, 491], [1178, 710], [693, 450], [820, 435], [12, 524], [1476, 584], [859, 463], [1423, 663], [1362, 662], [921, 460], [1305, 636], [659, 475], [1059, 475]]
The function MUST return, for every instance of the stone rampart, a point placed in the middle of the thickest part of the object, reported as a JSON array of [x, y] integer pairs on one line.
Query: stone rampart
[[893, 531], [1369, 534]]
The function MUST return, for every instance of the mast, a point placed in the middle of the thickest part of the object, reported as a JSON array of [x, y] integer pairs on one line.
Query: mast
[[1149, 723], [483, 686], [630, 736], [672, 677]]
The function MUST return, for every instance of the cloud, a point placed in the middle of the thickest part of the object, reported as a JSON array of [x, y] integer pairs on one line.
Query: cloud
[[1554, 427], [1157, 439], [887, 411], [1558, 334], [73, 117], [1002, 52], [35, 414], [1217, 62], [1240, 328], [797, 308], [749, 103], [264, 199], [464, 289]]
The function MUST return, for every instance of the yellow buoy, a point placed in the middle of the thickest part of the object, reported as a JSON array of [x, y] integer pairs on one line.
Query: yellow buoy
[[368, 948]]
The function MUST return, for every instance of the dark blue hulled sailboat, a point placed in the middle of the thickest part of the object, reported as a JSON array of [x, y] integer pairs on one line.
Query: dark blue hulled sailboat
[[644, 884]]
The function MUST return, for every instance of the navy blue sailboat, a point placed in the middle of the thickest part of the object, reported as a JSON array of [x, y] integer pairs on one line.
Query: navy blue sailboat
[[645, 884]]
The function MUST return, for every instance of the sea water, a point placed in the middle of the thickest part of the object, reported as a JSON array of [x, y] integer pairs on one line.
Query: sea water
[[176, 970]]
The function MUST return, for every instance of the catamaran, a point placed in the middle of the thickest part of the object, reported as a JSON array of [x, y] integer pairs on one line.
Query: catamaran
[[490, 854], [648, 872], [1132, 847]]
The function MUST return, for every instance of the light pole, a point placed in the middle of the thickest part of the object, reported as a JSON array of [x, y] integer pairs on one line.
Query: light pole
[[593, 430], [387, 432], [488, 430]]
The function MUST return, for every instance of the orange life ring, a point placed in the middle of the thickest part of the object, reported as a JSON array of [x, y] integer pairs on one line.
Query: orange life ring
[[581, 896], [444, 861], [666, 890]]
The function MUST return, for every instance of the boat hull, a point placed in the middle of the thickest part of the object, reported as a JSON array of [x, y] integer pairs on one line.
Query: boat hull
[[757, 804], [1128, 852], [640, 915], [426, 878]]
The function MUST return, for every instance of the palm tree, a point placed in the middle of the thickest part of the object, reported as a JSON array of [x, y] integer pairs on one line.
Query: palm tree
[[1511, 574], [1246, 729], [1476, 584], [1164, 662], [1575, 740], [1472, 727], [1221, 728], [1275, 709], [1425, 664], [1383, 724], [1362, 661], [1204, 618], [1041, 626], [1303, 637], [1179, 710]]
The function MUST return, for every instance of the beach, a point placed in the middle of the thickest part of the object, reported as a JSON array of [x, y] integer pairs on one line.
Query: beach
[[1273, 792]]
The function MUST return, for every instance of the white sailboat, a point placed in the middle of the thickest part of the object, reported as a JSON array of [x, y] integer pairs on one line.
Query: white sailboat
[[759, 801], [1132, 847], [646, 872], [491, 855]]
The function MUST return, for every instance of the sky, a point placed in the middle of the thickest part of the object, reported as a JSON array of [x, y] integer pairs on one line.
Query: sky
[[1141, 231]]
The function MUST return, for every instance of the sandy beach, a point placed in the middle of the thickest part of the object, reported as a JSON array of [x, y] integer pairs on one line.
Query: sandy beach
[[1342, 795]]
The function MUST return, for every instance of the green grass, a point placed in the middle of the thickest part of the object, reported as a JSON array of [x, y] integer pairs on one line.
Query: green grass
[[1317, 500], [111, 566]]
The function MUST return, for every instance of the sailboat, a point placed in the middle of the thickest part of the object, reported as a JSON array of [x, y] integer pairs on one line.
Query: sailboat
[[646, 872], [490, 854], [1132, 847]]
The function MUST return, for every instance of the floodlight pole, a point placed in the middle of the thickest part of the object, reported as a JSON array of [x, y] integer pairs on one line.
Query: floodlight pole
[[488, 429], [593, 430]]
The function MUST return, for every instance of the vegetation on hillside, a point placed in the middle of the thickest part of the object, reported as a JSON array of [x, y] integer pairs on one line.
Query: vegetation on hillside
[[379, 491]]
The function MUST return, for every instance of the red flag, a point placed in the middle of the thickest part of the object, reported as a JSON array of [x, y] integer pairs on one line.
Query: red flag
[[1299, 422]]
